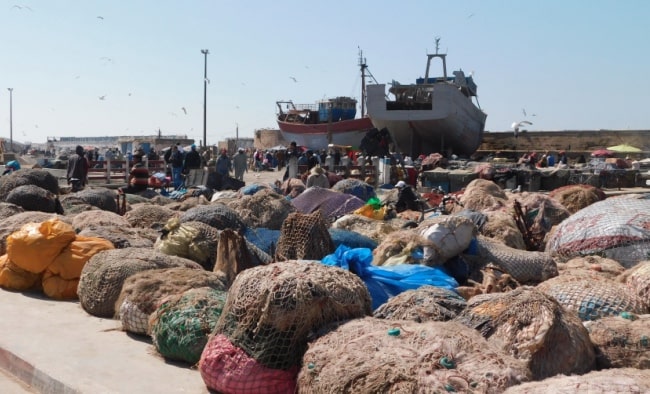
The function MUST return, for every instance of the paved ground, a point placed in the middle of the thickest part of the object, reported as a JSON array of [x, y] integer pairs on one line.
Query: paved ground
[[10, 384], [56, 347]]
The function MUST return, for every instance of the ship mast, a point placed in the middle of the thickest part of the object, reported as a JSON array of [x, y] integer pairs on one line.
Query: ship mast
[[442, 56], [363, 66]]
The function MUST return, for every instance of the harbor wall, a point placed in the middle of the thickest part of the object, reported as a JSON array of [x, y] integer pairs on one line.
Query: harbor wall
[[574, 142]]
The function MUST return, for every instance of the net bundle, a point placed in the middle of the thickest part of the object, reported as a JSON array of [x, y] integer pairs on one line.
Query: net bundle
[[193, 240], [28, 176], [73, 205], [100, 197], [271, 310], [617, 228], [216, 215], [617, 380], [355, 187], [8, 209], [576, 197], [398, 248], [501, 226], [591, 265], [15, 222], [181, 325], [143, 291], [34, 198], [592, 297], [483, 195], [104, 274], [637, 280], [376, 230], [265, 208], [427, 303], [98, 218], [351, 239], [621, 342], [379, 356], [304, 236], [534, 328], [331, 203], [147, 215], [122, 237]]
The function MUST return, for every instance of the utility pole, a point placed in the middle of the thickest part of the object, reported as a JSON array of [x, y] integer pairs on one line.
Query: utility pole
[[11, 120], [205, 95]]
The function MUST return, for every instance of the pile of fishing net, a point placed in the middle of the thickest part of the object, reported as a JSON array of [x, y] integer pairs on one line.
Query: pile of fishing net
[[49, 254], [216, 215], [104, 274], [483, 195], [263, 238], [265, 208], [637, 279], [149, 216], [621, 341], [7, 210], [617, 228], [356, 188], [98, 218], [592, 297], [269, 315], [34, 198], [576, 197], [143, 291], [616, 380], [500, 226], [73, 205], [304, 236], [541, 213], [100, 197], [376, 230], [591, 265], [400, 247], [193, 240], [332, 204], [534, 328], [15, 222], [523, 266], [122, 237], [427, 303], [28, 176], [181, 325], [380, 356], [253, 188]]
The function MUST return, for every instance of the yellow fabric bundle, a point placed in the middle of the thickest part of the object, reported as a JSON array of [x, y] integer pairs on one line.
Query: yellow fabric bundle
[[369, 211], [35, 246], [13, 277]]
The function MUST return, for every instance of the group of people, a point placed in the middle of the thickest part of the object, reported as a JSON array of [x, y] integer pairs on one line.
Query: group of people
[[532, 160]]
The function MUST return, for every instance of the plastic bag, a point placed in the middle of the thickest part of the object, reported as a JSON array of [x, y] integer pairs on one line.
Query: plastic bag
[[386, 282]]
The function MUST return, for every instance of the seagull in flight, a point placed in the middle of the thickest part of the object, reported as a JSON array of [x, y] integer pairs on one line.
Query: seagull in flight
[[517, 125], [102, 97], [21, 7], [184, 110], [100, 17], [294, 79], [523, 111]]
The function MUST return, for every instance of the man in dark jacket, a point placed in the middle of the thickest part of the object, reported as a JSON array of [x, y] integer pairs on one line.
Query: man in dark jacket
[[77, 173], [406, 198], [192, 159]]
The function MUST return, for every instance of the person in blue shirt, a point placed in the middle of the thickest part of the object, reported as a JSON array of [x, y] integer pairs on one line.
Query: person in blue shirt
[[223, 165], [11, 166]]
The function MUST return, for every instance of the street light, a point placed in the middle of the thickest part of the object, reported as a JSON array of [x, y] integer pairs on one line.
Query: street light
[[11, 122], [205, 94]]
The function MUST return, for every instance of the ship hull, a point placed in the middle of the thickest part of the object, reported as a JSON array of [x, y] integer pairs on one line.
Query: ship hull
[[452, 124], [318, 136]]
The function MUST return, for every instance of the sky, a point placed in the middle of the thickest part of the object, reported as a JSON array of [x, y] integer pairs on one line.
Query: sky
[[113, 68]]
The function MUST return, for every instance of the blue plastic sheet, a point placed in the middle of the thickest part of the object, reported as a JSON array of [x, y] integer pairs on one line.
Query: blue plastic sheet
[[386, 282]]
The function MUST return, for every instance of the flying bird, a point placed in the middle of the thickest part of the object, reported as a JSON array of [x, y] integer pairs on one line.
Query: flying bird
[[294, 79], [523, 111], [21, 7], [517, 125], [184, 110], [100, 17], [102, 97]]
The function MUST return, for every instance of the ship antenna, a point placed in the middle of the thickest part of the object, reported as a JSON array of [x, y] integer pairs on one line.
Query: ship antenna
[[437, 44], [363, 66]]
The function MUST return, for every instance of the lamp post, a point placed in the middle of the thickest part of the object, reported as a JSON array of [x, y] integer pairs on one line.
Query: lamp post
[[205, 94], [11, 121]]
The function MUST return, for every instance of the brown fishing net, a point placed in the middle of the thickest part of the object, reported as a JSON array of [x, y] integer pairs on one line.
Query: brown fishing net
[[637, 280], [609, 381], [591, 265], [304, 236], [263, 209], [123, 237], [193, 240], [271, 310], [500, 226], [103, 275], [142, 293], [621, 342], [592, 297], [8, 209], [483, 195], [427, 303], [147, 215], [534, 328], [398, 247], [28, 176], [377, 230], [576, 197], [379, 356], [98, 218]]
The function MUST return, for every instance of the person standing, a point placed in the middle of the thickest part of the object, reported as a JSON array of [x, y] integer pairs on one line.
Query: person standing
[[240, 163], [223, 165], [176, 160], [192, 159], [292, 161], [77, 173]]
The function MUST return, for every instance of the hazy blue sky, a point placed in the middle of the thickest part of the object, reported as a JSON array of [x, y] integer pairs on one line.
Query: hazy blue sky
[[573, 64]]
